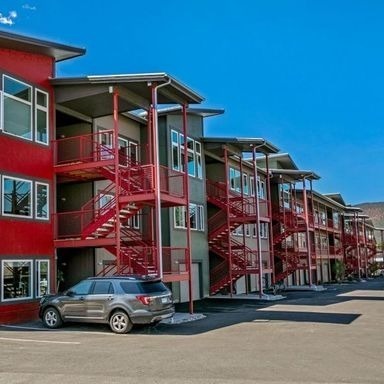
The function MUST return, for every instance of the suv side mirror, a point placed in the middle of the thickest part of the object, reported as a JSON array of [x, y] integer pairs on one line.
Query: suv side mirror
[[70, 293]]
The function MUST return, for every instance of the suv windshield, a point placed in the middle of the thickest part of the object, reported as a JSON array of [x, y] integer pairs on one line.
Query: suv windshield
[[143, 287]]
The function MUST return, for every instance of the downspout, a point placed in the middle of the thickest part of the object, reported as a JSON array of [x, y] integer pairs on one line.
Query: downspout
[[356, 218], [156, 162], [260, 259], [307, 233]]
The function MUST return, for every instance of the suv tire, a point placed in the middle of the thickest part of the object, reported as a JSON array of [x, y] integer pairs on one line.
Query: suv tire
[[120, 322], [52, 318]]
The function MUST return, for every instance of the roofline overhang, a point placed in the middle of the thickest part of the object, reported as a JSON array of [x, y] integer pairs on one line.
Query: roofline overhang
[[190, 96], [23, 43], [244, 143], [203, 112], [298, 174]]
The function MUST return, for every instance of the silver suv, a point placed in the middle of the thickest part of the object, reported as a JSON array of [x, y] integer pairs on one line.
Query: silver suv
[[118, 301]]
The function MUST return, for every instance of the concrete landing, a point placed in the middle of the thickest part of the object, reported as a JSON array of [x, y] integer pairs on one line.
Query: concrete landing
[[316, 288], [179, 318]]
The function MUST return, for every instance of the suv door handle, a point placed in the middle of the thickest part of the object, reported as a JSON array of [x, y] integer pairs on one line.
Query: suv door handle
[[110, 297]]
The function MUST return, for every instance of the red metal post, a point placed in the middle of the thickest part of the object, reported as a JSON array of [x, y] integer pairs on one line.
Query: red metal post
[[243, 225], [186, 191], [356, 219], [259, 254], [117, 177], [365, 248], [269, 197], [156, 179], [229, 234]]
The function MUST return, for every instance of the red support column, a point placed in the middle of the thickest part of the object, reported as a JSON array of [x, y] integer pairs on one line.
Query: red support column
[[186, 189], [228, 221], [117, 177], [356, 219], [269, 197], [260, 259], [156, 178]]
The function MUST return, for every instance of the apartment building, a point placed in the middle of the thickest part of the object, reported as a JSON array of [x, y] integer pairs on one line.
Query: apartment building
[[113, 174], [27, 252]]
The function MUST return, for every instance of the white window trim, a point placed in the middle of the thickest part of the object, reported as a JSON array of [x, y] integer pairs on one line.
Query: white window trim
[[44, 109], [37, 183], [30, 216], [30, 103], [1, 111], [38, 277], [2, 279]]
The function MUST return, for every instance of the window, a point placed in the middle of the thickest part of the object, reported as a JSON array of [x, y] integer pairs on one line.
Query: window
[[41, 202], [133, 153], [191, 157], [134, 221], [179, 217], [195, 167], [17, 197], [196, 217], [252, 186], [285, 196], [260, 188], [175, 151], [41, 116], [263, 229], [17, 108], [235, 179], [245, 184], [199, 165], [17, 279], [42, 277]]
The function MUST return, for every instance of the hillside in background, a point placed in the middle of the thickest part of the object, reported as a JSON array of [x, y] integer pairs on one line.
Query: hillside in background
[[375, 211]]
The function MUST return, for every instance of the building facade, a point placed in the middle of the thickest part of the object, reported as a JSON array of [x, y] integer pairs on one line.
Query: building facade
[[104, 175]]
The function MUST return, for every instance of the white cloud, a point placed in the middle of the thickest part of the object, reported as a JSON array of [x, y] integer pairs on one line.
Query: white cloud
[[8, 20], [30, 7]]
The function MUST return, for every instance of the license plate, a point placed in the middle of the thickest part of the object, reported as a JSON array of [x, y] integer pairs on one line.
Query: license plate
[[164, 299]]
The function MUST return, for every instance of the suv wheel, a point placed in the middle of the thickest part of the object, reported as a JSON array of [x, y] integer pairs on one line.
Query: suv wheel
[[120, 322], [51, 318]]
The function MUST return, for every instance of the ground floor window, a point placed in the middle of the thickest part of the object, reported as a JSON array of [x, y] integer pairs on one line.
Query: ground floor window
[[42, 277], [18, 279]]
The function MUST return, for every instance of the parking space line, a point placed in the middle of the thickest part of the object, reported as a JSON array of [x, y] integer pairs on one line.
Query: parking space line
[[40, 341]]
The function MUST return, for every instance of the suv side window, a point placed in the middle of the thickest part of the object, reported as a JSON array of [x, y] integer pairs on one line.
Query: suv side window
[[82, 288], [102, 287]]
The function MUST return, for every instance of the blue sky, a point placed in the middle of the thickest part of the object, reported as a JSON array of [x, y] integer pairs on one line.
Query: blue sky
[[306, 75]]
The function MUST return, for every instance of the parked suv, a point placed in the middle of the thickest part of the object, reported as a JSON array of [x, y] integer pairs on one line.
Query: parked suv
[[118, 301]]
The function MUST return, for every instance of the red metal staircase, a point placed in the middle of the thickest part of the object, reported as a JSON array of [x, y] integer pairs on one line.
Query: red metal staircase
[[237, 259]]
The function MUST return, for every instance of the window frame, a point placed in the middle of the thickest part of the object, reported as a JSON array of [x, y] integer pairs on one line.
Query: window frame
[[45, 109], [28, 261], [39, 279], [28, 103], [30, 182], [38, 183]]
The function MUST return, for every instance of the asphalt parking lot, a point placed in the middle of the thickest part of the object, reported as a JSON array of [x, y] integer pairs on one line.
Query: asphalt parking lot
[[334, 336]]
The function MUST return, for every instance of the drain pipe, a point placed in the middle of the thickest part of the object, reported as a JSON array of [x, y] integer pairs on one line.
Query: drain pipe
[[156, 160]]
